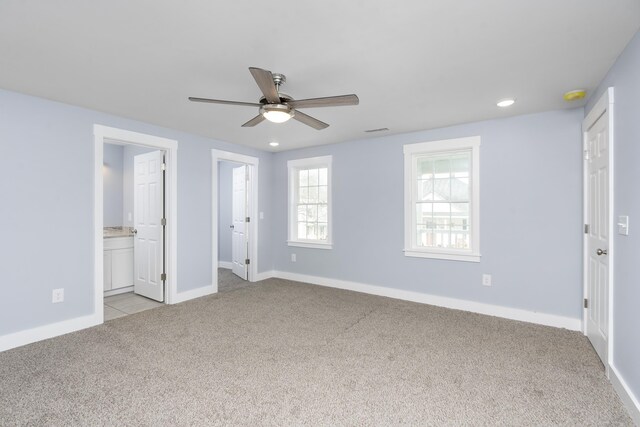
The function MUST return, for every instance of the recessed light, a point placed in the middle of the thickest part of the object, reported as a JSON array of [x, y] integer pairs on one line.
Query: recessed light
[[377, 130], [506, 102], [274, 144]]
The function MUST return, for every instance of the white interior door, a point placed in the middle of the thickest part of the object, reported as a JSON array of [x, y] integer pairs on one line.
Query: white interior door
[[239, 239], [598, 235], [148, 212]]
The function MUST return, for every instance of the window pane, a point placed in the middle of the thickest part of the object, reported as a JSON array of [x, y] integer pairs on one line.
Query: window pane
[[460, 189], [460, 165], [322, 213], [313, 194], [312, 213], [425, 189], [312, 231], [322, 178], [313, 177], [302, 213], [322, 194], [322, 231], [425, 168], [303, 178], [302, 230], [442, 189], [424, 214], [441, 167], [303, 195]]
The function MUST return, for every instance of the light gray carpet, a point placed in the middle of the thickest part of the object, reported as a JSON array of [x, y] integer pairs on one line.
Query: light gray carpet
[[283, 353], [227, 281]]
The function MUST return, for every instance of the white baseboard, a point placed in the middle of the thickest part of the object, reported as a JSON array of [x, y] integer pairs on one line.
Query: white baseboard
[[225, 264], [264, 275], [118, 291], [626, 395], [195, 293], [570, 323], [18, 339]]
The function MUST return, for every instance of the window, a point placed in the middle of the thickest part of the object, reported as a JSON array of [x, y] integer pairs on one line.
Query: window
[[442, 199], [310, 202]]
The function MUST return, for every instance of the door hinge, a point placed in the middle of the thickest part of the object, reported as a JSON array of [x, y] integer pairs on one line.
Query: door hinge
[[163, 276], [164, 166], [248, 219], [247, 261], [586, 229], [586, 303], [163, 221]]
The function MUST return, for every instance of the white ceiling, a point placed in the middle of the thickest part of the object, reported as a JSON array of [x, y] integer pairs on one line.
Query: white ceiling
[[415, 64]]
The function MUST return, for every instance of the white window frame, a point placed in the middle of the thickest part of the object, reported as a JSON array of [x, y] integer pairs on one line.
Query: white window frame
[[411, 249], [294, 166]]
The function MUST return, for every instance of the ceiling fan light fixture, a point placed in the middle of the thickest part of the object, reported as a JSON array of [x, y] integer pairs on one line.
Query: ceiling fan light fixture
[[276, 113]]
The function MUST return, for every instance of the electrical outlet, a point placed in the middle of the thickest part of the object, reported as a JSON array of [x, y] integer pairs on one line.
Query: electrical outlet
[[486, 280], [261, 215], [293, 257], [57, 295], [129, 216]]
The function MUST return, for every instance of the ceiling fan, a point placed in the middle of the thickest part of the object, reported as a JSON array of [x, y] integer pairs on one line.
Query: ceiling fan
[[278, 107]]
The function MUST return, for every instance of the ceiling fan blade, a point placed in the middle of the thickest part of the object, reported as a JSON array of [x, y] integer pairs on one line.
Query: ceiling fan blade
[[309, 121], [264, 79], [329, 101], [257, 119], [220, 101]]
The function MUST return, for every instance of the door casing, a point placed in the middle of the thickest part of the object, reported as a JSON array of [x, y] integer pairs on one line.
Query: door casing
[[252, 188], [604, 104], [170, 146]]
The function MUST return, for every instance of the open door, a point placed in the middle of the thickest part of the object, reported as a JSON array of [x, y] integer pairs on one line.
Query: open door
[[597, 241], [148, 217], [239, 241]]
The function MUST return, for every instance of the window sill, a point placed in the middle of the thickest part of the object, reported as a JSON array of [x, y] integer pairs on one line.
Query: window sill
[[450, 256], [310, 245]]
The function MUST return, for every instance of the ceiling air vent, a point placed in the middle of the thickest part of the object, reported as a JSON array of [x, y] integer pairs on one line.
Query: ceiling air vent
[[377, 130]]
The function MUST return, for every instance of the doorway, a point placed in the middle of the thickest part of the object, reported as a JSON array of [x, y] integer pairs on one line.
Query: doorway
[[598, 231], [134, 217], [234, 219]]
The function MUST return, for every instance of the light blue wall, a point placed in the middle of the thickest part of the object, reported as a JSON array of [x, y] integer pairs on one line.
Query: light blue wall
[[130, 151], [225, 183], [112, 172], [624, 77], [530, 215], [46, 209]]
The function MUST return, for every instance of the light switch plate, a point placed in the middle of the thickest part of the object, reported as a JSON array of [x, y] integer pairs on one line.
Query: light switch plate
[[623, 225]]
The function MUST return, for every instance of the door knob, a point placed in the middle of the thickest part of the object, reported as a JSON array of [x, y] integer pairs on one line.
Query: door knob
[[601, 252], [231, 226], [134, 231]]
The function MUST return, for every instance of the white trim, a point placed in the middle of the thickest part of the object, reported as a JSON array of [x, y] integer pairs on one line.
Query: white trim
[[629, 400], [443, 255], [254, 176], [309, 244], [453, 303], [264, 275], [225, 264], [44, 332], [112, 292], [604, 104], [307, 163], [195, 293], [431, 147], [170, 147]]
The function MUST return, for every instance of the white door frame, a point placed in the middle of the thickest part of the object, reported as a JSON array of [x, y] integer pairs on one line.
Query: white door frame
[[170, 146], [604, 104], [216, 156]]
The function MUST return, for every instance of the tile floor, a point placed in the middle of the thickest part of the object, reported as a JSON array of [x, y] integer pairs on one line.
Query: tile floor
[[124, 304]]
